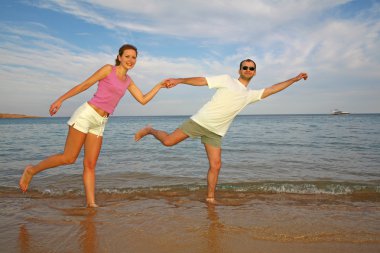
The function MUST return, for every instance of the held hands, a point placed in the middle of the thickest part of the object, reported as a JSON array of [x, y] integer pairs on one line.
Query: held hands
[[171, 82], [167, 83]]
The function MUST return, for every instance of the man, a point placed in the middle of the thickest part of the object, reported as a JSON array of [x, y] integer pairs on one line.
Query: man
[[212, 121]]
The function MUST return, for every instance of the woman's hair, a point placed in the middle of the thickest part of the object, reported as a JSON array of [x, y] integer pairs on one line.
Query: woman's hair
[[121, 51], [247, 60]]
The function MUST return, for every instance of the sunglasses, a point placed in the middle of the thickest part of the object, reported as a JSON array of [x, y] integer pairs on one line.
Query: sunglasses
[[250, 68]]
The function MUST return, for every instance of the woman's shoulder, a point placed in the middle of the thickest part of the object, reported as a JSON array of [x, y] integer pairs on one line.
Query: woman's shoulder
[[108, 68], [105, 70]]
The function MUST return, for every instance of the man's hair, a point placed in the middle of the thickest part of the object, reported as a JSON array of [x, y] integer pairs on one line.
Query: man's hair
[[246, 60]]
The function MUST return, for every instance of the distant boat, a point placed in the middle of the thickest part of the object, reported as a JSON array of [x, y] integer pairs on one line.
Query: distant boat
[[338, 112]]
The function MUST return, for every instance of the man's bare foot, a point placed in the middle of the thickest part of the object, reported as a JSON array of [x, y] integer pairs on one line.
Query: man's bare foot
[[212, 201], [92, 205], [25, 179], [142, 132]]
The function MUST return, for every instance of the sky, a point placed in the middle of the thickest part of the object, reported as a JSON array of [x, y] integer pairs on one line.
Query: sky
[[48, 47]]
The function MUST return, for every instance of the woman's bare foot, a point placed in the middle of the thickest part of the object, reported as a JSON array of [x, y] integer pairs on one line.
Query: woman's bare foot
[[212, 201], [142, 132], [92, 205], [25, 178]]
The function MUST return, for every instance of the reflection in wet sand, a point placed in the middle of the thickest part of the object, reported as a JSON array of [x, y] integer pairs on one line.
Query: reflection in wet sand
[[181, 223], [215, 229], [88, 236], [24, 239], [68, 237]]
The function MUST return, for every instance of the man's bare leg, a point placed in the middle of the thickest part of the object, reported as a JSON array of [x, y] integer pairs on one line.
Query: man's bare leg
[[214, 155], [143, 132], [166, 139]]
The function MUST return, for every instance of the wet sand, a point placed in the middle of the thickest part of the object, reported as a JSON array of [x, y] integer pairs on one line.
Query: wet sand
[[183, 222]]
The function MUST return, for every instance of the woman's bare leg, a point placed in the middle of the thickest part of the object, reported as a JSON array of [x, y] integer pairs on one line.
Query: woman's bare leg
[[74, 143], [92, 147]]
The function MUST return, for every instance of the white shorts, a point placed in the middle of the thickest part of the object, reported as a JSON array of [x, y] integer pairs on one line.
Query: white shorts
[[87, 120]]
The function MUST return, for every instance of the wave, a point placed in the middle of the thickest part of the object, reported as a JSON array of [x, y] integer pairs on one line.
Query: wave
[[306, 187], [268, 187]]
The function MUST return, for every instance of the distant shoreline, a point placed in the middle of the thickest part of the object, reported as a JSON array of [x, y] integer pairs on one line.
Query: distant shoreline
[[15, 116]]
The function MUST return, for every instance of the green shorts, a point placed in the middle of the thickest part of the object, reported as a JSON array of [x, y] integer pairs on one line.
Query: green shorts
[[193, 129]]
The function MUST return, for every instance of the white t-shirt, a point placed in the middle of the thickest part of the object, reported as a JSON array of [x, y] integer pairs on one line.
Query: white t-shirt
[[229, 99]]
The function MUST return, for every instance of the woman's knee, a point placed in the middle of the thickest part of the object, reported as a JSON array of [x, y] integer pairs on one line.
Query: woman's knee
[[89, 165], [69, 159]]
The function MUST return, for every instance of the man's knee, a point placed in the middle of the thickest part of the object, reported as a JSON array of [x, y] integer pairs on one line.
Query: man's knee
[[168, 142], [216, 165]]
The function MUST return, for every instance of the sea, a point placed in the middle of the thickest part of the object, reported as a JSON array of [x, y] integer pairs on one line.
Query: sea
[[288, 183]]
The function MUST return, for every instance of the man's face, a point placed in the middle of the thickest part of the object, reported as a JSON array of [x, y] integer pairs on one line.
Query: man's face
[[247, 70]]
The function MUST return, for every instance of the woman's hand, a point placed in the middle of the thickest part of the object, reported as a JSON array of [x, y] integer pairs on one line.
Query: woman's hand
[[163, 84], [55, 107]]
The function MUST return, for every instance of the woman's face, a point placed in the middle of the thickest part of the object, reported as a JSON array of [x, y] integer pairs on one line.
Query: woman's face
[[128, 58]]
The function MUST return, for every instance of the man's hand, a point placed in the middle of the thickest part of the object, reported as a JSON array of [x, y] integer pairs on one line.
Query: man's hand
[[301, 76]]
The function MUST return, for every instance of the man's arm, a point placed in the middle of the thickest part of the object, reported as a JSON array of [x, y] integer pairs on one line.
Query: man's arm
[[195, 81], [283, 85]]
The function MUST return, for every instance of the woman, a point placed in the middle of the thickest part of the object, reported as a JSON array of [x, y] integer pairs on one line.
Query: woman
[[87, 124]]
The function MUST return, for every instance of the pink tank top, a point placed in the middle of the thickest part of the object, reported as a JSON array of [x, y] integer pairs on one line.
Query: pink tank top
[[110, 90]]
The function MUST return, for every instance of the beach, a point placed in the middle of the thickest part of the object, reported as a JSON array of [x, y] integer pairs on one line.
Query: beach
[[295, 183], [182, 222]]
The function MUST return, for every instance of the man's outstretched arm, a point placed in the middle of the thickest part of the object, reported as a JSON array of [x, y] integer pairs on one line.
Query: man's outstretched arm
[[283, 85], [195, 81]]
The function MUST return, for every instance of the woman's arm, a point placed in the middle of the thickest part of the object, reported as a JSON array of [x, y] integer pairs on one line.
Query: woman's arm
[[140, 97], [98, 75]]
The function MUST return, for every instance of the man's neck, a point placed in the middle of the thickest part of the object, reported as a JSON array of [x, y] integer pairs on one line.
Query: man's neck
[[244, 81]]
